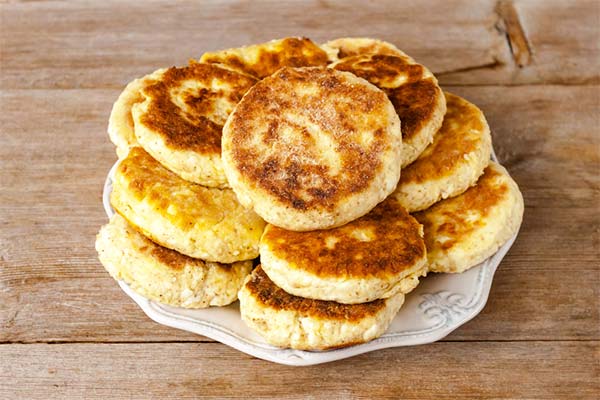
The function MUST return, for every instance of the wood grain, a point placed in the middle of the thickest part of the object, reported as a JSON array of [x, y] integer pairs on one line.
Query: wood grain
[[106, 44], [68, 331], [568, 31], [542, 134], [517, 40], [535, 370]]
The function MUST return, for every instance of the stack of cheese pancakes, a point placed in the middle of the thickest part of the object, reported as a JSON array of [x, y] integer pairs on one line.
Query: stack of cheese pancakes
[[343, 166]]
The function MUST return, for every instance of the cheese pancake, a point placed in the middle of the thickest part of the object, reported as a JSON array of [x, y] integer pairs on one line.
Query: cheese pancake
[[262, 60], [312, 148], [120, 123], [452, 163], [289, 321], [413, 90], [164, 275], [200, 222], [373, 257], [465, 230], [348, 47], [180, 121]]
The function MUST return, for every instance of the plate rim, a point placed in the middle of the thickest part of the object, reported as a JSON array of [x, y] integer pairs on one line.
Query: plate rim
[[158, 313]]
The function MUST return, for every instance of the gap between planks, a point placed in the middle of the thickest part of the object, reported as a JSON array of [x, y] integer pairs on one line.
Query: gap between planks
[[210, 341], [588, 83], [509, 24]]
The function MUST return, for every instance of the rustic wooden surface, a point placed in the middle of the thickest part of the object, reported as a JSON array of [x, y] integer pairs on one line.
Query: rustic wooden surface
[[66, 329]]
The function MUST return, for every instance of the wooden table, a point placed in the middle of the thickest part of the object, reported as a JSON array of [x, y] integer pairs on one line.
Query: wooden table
[[68, 331]]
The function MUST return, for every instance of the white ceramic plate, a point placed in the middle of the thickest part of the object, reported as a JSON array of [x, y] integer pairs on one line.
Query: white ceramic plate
[[440, 304]]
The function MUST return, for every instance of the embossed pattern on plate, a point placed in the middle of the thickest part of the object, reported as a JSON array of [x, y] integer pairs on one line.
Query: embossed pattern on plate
[[440, 304]]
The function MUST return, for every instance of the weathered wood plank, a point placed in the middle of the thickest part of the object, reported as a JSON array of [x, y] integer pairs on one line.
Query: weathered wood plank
[[52, 167], [564, 38], [549, 41], [533, 370], [53, 163], [511, 24], [106, 44], [536, 338]]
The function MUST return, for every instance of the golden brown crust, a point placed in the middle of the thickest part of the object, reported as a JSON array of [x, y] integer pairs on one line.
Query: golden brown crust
[[201, 222], [148, 180], [191, 118], [384, 242], [270, 295], [264, 59], [169, 258], [338, 111], [177, 261], [415, 104], [461, 133], [144, 232], [478, 200], [414, 92], [164, 275], [383, 71], [348, 47], [120, 122]]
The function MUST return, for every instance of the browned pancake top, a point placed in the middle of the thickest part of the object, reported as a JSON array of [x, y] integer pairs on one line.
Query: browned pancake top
[[264, 59], [411, 88], [311, 136], [462, 132], [386, 241], [270, 295], [455, 218], [384, 71], [169, 258], [183, 203], [348, 47], [188, 106]]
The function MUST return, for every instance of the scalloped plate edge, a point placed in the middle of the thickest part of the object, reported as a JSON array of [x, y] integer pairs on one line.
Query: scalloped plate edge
[[304, 358]]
